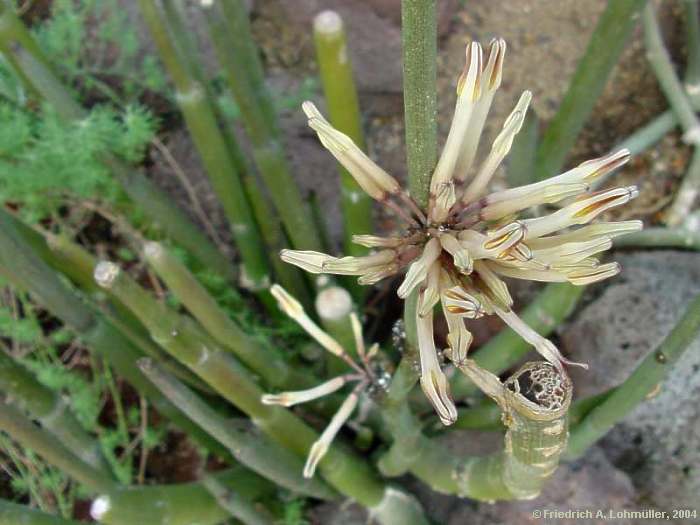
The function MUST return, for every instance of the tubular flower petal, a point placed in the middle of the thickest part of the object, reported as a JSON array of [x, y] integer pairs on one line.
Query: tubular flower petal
[[432, 379], [376, 182]]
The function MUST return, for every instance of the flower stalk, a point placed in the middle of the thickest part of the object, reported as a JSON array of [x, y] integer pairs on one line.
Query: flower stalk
[[419, 35], [344, 112]]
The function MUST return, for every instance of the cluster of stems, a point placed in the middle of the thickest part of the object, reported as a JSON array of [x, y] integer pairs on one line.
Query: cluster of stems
[[181, 361]]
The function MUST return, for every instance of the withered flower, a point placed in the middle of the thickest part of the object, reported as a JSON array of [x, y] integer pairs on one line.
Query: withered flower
[[458, 250], [362, 375]]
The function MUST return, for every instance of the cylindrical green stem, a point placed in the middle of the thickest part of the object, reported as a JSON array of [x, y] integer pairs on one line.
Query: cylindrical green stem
[[182, 504], [233, 43], [28, 272], [334, 306], [287, 275], [692, 32], [587, 83], [649, 134], [78, 264], [344, 113], [401, 422], [661, 64], [15, 514], [648, 375], [17, 43], [201, 122], [237, 506], [243, 44], [24, 391], [266, 361], [255, 452], [33, 437], [687, 193], [554, 304], [419, 35], [419, 44], [521, 160], [535, 401], [660, 238]]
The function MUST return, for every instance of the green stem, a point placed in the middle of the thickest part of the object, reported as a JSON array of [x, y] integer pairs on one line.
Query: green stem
[[255, 452], [237, 506], [15, 514], [344, 112], [661, 64], [521, 160], [287, 275], [18, 45], [50, 410], [554, 304], [334, 306], [230, 32], [33, 437], [401, 422], [201, 123], [647, 376], [28, 272], [660, 238], [419, 43], [263, 360], [692, 31], [182, 504], [649, 134], [419, 35], [234, 11], [487, 415], [604, 48], [687, 193], [78, 264], [535, 438]]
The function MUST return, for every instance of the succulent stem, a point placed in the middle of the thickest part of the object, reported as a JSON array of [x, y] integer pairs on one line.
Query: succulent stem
[[419, 34], [344, 114]]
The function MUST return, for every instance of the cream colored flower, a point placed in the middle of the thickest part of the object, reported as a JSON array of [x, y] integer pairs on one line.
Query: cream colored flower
[[460, 248]]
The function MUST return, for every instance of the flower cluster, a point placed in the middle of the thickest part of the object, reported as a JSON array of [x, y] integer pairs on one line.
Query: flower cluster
[[362, 375], [458, 250]]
